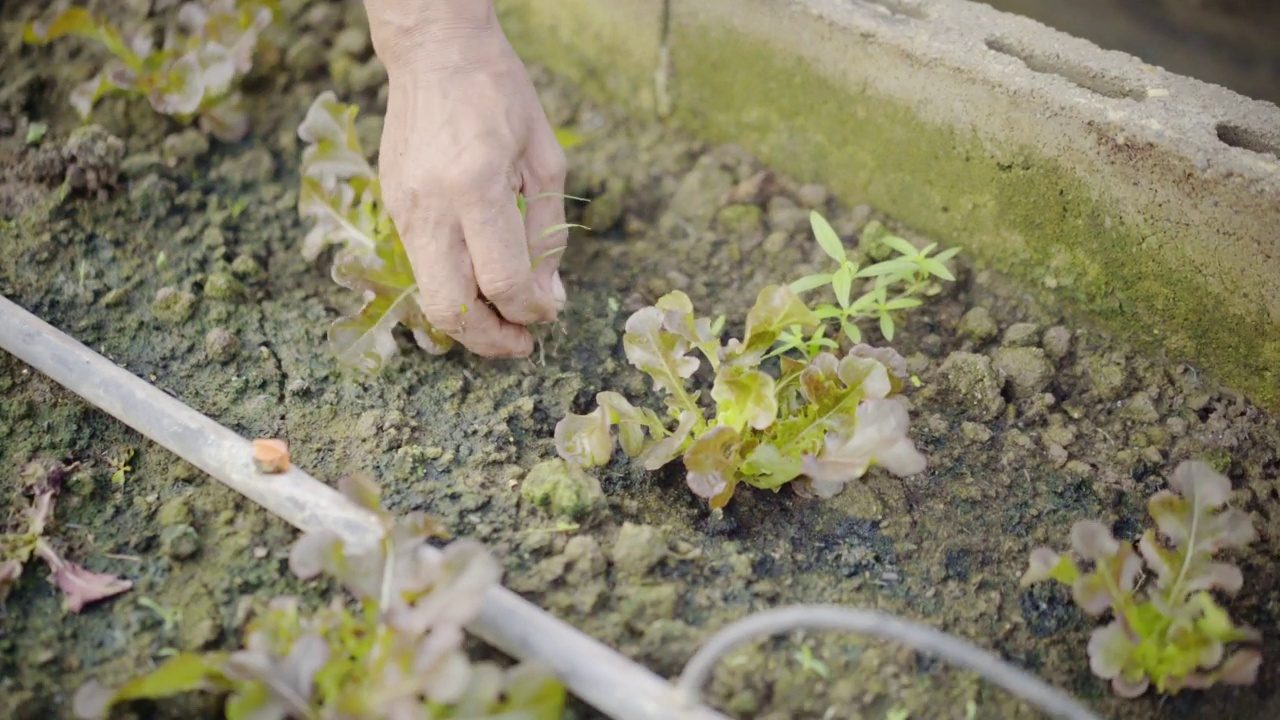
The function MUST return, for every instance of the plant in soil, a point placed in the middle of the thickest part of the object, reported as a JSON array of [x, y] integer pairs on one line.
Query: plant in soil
[[341, 198], [897, 283], [194, 72], [787, 402], [1171, 633], [42, 479], [396, 653]]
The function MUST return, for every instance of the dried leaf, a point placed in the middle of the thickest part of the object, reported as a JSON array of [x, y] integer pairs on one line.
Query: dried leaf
[[79, 586]]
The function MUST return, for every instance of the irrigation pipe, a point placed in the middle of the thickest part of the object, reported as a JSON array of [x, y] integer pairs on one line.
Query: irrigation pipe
[[590, 670], [832, 617]]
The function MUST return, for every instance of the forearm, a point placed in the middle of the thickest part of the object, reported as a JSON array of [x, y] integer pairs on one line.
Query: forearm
[[434, 34]]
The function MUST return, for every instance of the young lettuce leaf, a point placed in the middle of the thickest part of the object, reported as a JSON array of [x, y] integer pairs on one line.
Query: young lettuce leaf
[[398, 653], [207, 48], [341, 198], [1173, 635]]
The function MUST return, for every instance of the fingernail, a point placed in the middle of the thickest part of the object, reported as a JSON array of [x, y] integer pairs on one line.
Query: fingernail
[[557, 288]]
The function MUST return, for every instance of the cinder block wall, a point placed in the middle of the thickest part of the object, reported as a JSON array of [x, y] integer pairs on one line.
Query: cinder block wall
[[1148, 200], [1233, 43]]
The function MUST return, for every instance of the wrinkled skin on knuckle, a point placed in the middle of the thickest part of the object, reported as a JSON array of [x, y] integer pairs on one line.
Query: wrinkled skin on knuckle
[[448, 317], [466, 179], [551, 169], [499, 288]]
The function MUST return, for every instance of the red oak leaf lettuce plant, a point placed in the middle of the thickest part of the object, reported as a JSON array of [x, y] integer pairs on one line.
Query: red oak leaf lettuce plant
[[396, 655], [342, 199], [194, 72], [79, 586], [823, 417], [1170, 633]]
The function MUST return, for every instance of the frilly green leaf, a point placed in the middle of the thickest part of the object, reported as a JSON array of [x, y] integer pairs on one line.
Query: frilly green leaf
[[1171, 634], [711, 462], [745, 397], [341, 198], [661, 354]]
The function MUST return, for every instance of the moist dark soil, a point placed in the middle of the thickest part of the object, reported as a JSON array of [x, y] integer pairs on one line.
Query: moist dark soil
[[180, 260]]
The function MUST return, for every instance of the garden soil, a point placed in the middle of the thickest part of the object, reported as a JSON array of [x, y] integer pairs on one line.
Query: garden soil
[[180, 260]]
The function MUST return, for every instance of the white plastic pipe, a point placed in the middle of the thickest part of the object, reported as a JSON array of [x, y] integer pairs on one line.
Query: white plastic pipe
[[963, 654], [590, 670]]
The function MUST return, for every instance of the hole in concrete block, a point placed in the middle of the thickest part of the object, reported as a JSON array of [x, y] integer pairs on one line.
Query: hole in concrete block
[[1266, 143], [1073, 72], [907, 8]]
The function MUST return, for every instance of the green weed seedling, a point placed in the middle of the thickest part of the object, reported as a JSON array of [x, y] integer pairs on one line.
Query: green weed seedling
[[1172, 633], [193, 74], [897, 284], [396, 653]]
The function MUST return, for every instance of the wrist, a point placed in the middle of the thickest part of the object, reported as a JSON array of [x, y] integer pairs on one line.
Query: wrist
[[426, 35]]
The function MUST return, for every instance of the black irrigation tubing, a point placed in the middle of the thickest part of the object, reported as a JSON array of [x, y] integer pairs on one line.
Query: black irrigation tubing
[[590, 670]]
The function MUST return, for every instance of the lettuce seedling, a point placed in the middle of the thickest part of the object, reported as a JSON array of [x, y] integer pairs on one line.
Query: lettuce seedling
[[397, 654], [79, 586], [1173, 634], [341, 197], [896, 284], [822, 418], [193, 74]]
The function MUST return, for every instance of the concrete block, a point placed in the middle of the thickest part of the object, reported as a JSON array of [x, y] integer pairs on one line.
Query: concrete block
[[1148, 200]]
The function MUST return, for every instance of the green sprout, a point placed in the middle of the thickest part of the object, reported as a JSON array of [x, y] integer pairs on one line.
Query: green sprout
[[897, 284]]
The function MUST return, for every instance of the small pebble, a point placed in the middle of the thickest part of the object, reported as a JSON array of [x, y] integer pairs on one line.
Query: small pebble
[[270, 456]]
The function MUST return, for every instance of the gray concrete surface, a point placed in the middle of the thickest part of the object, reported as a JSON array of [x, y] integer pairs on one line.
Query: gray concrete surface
[[1233, 43], [1147, 199]]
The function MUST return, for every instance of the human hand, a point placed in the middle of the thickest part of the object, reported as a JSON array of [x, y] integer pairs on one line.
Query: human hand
[[464, 133]]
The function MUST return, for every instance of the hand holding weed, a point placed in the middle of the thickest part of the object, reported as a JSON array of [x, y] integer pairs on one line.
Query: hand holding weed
[[465, 134]]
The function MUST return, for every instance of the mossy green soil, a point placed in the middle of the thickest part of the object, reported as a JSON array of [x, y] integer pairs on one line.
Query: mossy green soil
[[1029, 424]]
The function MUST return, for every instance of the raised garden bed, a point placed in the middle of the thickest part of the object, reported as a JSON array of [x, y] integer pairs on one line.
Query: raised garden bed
[[188, 272]]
